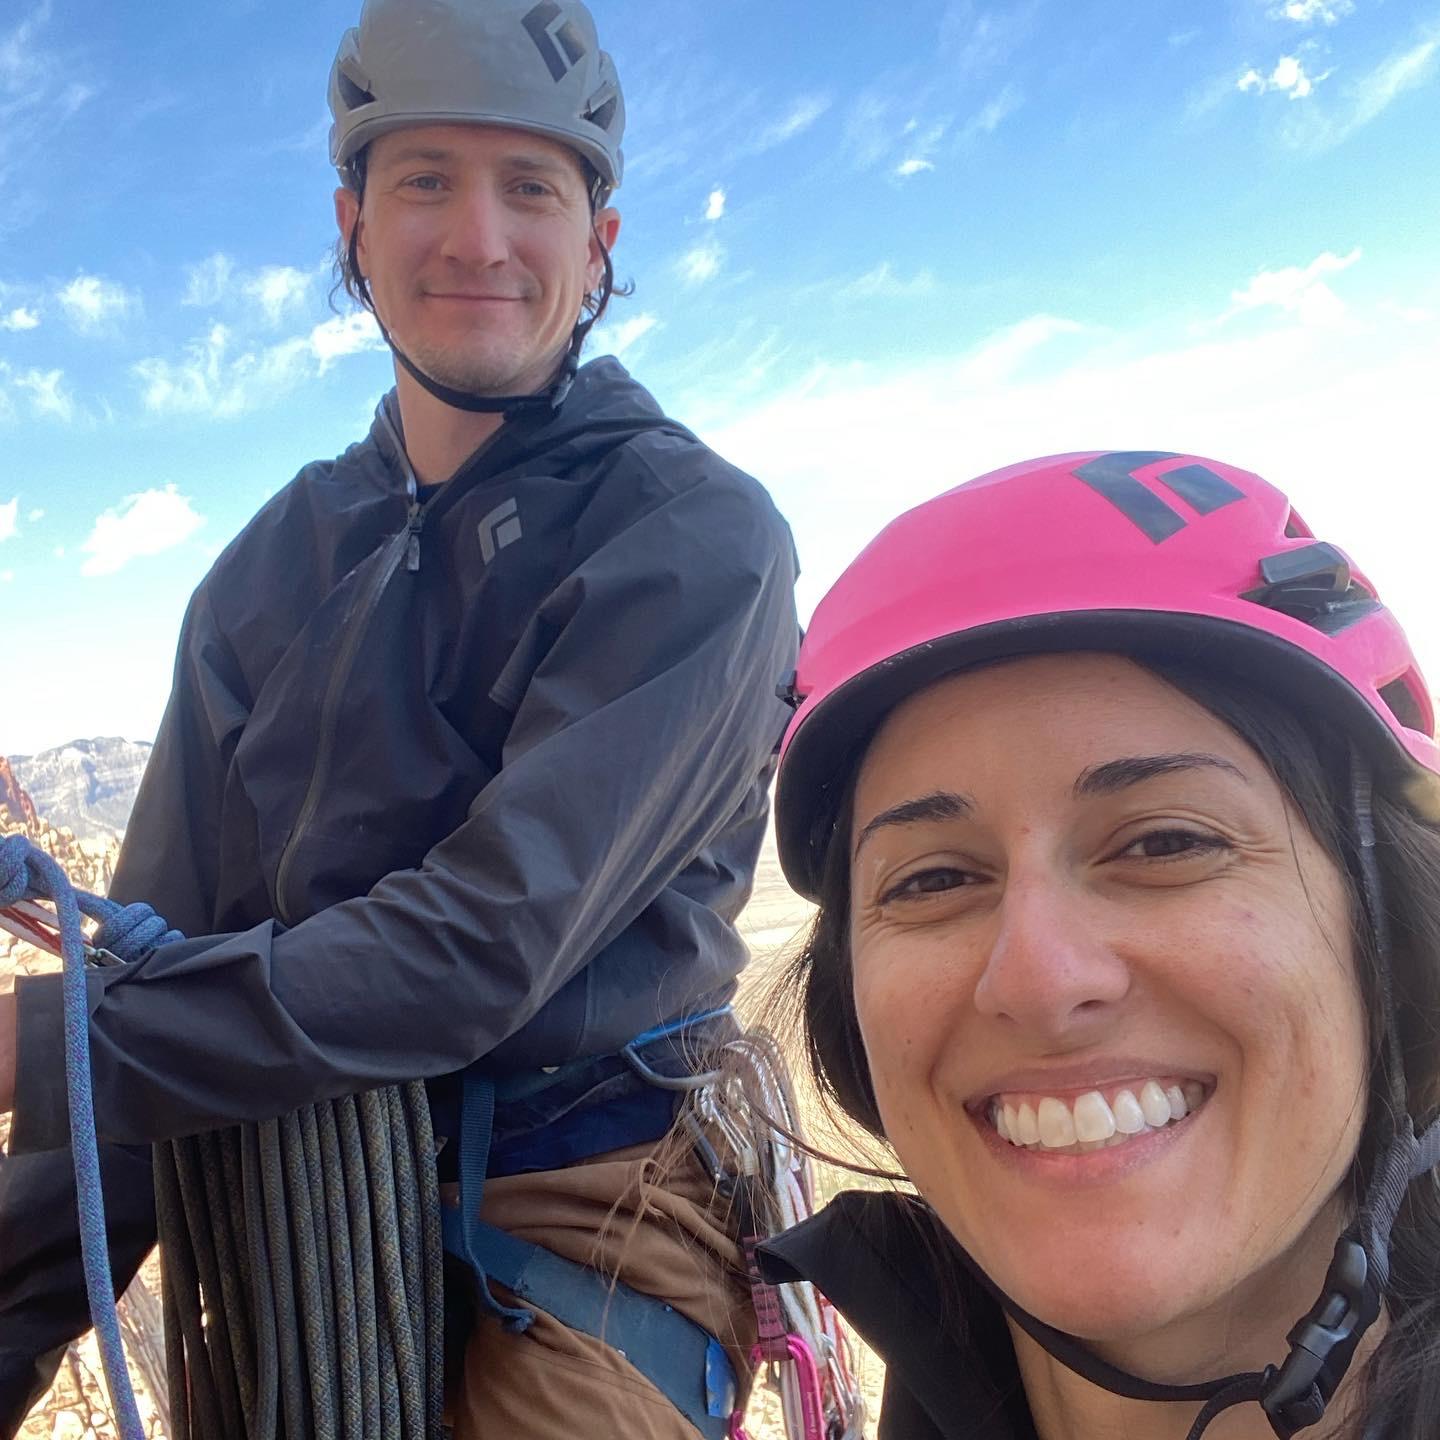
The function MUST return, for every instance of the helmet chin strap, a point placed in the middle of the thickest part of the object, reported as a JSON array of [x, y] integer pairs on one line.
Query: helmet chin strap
[[1323, 1343], [540, 404]]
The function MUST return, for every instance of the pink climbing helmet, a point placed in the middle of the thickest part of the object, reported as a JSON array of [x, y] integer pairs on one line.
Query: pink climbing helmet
[[1148, 553]]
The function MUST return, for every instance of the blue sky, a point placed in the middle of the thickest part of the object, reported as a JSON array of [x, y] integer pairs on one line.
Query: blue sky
[[877, 249]]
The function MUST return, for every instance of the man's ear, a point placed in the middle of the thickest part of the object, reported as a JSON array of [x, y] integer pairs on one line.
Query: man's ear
[[347, 217], [604, 227]]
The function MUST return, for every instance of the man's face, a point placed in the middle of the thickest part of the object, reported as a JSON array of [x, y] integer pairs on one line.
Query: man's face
[[478, 248]]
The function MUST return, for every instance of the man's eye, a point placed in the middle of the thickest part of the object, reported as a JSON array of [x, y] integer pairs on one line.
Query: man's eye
[[1172, 844], [424, 182], [532, 189]]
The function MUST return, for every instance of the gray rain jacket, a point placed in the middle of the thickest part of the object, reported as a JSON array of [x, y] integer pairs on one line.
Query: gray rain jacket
[[485, 778]]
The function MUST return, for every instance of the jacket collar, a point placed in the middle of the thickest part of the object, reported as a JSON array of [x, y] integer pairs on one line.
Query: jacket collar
[[892, 1270]]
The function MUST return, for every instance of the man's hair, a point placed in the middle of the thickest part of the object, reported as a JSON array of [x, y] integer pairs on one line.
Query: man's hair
[[347, 261]]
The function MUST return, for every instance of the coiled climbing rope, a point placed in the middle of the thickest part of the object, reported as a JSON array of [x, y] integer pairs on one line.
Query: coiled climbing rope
[[301, 1257]]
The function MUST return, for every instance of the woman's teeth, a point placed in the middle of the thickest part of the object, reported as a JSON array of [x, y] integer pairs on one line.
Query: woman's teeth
[[1094, 1122]]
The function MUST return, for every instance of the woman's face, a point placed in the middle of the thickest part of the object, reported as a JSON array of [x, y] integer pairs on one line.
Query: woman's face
[[1082, 907]]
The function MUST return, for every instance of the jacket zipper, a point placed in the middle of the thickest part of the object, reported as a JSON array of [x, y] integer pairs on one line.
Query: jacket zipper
[[404, 545]]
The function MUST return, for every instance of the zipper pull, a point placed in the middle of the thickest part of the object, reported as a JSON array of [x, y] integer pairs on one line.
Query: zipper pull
[[413, 522]]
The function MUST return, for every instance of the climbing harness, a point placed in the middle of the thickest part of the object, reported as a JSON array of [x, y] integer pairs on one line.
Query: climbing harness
[[682, 1360]]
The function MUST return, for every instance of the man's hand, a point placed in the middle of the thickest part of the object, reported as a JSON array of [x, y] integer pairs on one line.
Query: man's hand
[[7, 1053]]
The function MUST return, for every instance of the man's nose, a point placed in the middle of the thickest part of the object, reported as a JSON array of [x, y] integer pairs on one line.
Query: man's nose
[[476, 234]]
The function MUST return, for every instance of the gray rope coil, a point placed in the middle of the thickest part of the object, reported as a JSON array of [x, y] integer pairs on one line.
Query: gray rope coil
[[303, 1275]]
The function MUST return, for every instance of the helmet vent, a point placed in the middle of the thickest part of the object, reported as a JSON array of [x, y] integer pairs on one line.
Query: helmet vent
[[603, 114], [352, 94], [1297, 529], [1400, 698]]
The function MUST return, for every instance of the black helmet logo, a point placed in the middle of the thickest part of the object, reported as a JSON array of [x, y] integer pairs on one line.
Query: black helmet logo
[[563, 47]]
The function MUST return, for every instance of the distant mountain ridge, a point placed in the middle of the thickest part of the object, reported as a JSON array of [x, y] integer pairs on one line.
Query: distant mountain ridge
[[87, 786]]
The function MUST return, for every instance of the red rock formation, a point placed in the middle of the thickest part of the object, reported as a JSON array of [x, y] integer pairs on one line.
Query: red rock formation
[[89, 864], [13, 799]]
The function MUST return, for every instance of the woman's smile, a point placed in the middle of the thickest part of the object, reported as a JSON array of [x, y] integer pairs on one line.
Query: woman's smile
[[1095, 977]]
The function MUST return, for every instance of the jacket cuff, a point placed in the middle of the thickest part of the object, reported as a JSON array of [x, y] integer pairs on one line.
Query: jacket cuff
[[41, 1118]]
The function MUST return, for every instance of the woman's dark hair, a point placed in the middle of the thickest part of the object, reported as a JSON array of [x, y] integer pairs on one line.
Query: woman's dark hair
[[1311, 762], [347, 260]]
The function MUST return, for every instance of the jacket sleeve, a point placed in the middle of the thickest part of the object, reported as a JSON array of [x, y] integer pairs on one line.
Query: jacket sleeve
[[645, 711]]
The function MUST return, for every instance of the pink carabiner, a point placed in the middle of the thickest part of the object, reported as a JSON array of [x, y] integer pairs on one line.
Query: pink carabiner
[[807, 1375]]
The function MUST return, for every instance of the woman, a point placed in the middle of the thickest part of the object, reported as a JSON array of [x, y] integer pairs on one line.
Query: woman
[[1118, 795]]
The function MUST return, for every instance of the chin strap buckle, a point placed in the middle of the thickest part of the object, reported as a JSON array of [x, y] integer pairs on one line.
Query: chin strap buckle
[[1323, 1344]]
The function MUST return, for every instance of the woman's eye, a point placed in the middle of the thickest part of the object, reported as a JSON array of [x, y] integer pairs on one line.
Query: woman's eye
[[927, 882], [1172, 844]]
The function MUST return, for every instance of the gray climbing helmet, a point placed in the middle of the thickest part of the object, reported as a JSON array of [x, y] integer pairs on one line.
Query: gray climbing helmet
[[517, 63]]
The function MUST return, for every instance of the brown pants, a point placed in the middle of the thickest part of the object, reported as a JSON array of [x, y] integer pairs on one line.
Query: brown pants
[[663, 1234]]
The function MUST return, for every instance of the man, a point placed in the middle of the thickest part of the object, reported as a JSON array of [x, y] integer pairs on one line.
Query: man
[[471, 731]]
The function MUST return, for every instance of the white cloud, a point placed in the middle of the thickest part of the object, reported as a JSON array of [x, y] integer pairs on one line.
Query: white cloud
[[9, 515], [1000, 357], [870, 129], [221, 379], [715, 205], [141, 525], [20, 318], [90, 301], [46, 397], [976, 39], [39, 93], [1288, 76], [1296, 290], [278, 289], [620, 336], [913, 166], [883, 283], [35, 516], [21, 65], [701, 263], [1281, 400], [6, 576], [208, 283], [996, 110], [1353, 105], [343, 335], [799, 118], [1308, 12], [1376, 91]]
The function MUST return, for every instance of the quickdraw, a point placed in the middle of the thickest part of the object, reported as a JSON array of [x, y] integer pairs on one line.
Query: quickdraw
[[801, 1343]]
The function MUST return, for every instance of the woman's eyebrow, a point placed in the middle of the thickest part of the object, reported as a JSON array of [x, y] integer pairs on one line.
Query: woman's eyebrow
[[938, 805], [1113, 775]]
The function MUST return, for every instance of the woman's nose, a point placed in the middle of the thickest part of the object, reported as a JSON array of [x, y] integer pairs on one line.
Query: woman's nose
[[1051, 969]]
